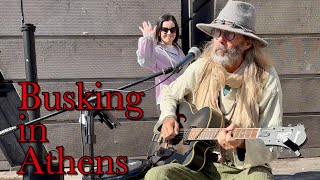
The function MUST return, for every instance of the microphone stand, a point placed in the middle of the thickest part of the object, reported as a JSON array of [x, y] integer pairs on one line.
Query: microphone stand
[[90, 139], [163, 72], [89, 132]]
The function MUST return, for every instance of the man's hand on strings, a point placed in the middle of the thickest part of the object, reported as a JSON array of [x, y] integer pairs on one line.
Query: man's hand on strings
[[170, 128], [226, 139]]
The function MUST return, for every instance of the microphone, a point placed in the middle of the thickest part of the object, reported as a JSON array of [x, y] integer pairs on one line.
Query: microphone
[[193, 53], [107, 118]]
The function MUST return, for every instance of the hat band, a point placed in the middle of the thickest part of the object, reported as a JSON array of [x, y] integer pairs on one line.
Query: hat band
[[233, 25]]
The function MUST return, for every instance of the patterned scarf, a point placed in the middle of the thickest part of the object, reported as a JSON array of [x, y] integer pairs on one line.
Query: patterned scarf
[[213, 78]]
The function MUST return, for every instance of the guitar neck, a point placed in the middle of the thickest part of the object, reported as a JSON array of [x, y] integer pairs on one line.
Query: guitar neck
[[199, 134]]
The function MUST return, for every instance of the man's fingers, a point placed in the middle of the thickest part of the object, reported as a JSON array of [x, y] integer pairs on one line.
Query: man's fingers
[[222, 137], [176, 128], [229, 136], [231, 127], [170, 128]]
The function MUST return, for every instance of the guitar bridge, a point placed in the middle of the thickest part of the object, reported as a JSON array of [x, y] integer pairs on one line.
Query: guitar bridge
[[157, 138], [164, 152]]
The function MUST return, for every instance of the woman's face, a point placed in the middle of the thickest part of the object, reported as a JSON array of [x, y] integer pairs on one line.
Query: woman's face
[[168, 32]]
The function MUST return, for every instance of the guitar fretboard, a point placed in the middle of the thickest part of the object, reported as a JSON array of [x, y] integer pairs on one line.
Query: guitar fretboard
[[199, 134]]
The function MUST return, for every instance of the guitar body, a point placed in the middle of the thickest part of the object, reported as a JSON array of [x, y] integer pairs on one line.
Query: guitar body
[[189, 153]]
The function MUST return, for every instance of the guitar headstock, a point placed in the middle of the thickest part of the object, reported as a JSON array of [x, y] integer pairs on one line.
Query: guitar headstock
[[280, 136]]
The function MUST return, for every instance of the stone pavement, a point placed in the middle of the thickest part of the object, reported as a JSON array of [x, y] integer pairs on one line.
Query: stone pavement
[[297, 169], [283, 169]]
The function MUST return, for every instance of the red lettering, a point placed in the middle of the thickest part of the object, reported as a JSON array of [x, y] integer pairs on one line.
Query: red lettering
[[98, 101], [121, 162], [25, 95], [66, 96], [109, 96], [61, 160], [22, 133], [49, 157], [83, 100], [83, 161], [100, 162], [130, 106], [46, 99], [31, 154], [43, 132]]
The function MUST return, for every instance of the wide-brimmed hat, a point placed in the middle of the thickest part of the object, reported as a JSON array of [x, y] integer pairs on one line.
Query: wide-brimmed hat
[[236, 16]]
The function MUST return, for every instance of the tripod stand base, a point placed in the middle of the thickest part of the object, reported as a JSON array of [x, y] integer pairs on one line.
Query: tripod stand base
[[137, 169]]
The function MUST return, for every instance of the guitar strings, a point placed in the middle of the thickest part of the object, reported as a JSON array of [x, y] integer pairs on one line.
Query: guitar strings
[[201, 131]]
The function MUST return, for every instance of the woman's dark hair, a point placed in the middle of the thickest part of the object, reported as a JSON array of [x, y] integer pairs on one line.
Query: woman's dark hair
[[166, 17]]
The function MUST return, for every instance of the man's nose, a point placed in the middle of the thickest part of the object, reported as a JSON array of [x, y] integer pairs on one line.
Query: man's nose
[[169, 32], [221, 38]]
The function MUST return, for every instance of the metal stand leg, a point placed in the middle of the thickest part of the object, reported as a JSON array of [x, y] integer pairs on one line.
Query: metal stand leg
[[90, 139]]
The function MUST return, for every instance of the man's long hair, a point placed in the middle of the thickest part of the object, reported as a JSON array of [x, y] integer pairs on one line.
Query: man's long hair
[[246, 113]]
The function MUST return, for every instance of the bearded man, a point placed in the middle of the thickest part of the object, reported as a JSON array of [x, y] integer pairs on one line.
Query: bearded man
[[235, 77]]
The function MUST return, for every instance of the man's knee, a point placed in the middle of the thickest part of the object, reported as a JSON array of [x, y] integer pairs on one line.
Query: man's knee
[[169, 171], [260, 172]]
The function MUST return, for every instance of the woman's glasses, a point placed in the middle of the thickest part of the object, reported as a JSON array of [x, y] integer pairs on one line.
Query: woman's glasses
[[226, 34], [172, 30]]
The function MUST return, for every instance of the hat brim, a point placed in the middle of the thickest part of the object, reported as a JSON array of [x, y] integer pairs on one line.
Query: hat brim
[[208, 28]]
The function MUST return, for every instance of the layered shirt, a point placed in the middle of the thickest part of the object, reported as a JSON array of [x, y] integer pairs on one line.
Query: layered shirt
[[270, 110], [156, 57]]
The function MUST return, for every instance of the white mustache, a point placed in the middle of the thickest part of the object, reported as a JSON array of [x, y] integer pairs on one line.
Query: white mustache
[[221, 47]]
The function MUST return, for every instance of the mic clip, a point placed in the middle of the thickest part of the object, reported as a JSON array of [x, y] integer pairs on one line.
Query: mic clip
[[103, 118]]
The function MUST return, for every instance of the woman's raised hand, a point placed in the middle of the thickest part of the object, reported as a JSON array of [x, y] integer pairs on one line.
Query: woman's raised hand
[[147, 28]]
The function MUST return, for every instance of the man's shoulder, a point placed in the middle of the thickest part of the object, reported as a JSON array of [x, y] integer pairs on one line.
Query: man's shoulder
[[273, 75], [273, 80]]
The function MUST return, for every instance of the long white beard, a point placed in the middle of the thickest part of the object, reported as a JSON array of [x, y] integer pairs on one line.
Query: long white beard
[[229, 57]]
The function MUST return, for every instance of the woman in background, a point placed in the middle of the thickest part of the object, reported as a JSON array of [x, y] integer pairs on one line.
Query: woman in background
[[158, 49]]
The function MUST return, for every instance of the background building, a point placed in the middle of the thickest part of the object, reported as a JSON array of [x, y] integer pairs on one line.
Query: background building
[[95, 40]]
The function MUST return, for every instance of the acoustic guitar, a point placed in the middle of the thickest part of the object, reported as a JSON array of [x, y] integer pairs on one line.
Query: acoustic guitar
[[198, 134]]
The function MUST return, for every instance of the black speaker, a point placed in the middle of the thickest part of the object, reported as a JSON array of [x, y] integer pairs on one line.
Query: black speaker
[[14, 151], [192, 13], [9, 116]]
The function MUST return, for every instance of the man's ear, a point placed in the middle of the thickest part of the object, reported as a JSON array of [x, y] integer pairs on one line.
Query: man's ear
[[248, 43]]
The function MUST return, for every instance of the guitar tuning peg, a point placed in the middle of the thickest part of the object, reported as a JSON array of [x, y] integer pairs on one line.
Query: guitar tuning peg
[[281, 149], [297, 153]]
